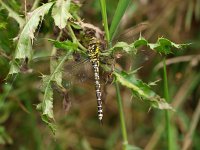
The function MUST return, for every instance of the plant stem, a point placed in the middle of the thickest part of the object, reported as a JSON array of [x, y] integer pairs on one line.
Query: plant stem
[[74, 39], [122, 119], [167, 114], [54, 50], [119, 99]]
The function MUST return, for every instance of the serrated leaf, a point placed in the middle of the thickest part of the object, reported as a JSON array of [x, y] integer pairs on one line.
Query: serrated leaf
[[140, 42], [153, 45], [123, 46], [51, 125], [60, 13], [24, 46], [141, 90], [162, 45], [165, 46], [67, 45], [180, 46], [75, 25], [58, 73], [13, 14], [47, 103], [46, 106], [153, 83]]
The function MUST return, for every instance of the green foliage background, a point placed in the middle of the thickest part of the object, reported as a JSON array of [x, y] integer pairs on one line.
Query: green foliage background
[[20, 124]]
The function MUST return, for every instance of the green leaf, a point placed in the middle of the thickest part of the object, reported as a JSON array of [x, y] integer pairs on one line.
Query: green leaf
[[162, 45], [123, 46], [141, 90], [75, 25], [47, 103], [165, 46], [24, 46], [60, 13], [74, 9], [51, 125], [58, 73], [140, 42], [13, 14], [46, 106], [66, 45]]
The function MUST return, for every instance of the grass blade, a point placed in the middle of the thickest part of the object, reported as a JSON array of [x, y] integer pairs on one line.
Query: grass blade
[[121, 8], [105, 21]]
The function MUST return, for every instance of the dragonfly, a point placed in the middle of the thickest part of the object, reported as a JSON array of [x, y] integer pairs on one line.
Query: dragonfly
[[93, 53], [72, 71]]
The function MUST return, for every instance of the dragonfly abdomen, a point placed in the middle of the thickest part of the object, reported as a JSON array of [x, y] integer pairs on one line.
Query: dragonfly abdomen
[[93, 53], [95, 65]]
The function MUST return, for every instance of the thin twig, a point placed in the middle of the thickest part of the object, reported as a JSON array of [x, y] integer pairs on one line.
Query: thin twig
[[54, 50]]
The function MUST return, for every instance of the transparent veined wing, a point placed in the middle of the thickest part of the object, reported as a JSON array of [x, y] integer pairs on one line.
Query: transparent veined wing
[[77, 76], [143, 56], [131, 33]]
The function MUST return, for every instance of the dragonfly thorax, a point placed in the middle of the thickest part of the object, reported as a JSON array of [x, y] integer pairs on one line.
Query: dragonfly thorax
[[94, 49]]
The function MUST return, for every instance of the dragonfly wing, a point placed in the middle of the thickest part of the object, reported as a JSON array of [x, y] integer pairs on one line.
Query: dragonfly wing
[[132, 33]]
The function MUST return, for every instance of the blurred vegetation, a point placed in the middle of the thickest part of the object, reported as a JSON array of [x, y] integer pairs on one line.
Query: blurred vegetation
[[78, 128]]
